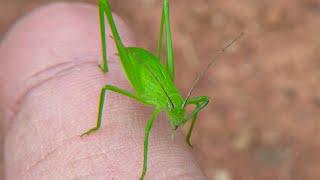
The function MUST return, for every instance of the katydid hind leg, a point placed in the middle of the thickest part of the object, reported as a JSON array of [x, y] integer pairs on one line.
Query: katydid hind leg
[[101, 104], [146, 142], [104, 65], [105, 8], [200, 102], [169, 47], [160, 40]]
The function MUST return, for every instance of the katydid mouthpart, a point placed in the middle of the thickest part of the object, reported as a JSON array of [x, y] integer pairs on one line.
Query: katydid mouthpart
[[152, 81]]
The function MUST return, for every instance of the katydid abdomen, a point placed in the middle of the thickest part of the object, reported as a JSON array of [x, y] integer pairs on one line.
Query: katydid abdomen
[[150, 79]]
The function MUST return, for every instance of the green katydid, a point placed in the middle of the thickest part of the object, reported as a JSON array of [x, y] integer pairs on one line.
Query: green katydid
[[152, 81]]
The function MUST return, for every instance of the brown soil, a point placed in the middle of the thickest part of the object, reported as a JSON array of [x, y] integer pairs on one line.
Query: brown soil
[[263, 121]]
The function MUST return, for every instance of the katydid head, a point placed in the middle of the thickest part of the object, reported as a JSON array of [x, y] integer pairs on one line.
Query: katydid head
[[176, 116]]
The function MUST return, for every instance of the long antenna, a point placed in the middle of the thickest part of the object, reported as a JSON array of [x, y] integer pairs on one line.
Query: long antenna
[[220, 52]]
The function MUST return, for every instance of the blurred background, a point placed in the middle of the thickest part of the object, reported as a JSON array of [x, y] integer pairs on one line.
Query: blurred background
[[263, 121]]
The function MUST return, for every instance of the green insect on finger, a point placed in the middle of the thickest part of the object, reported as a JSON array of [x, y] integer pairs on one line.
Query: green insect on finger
[[152, 82]]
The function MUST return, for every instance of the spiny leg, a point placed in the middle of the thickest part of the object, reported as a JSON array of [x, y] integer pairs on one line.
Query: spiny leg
[[104, 7], [188, 137], [146, 141], [200, 102], [123, 53], [104, 65], [169, 54], [159, 49], [165, 22], [101, 104]]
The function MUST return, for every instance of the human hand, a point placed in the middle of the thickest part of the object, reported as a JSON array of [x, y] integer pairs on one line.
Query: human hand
[[50, 85]]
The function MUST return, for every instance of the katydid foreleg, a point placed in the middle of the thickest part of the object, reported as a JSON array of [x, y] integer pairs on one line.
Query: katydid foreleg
[[200, 102], [101, 104], [146, 141]]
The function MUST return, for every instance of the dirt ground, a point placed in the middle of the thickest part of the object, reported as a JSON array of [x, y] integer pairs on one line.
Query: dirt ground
[[264, 118]]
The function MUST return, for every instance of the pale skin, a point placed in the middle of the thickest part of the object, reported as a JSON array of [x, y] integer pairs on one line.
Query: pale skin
[[50, 97]]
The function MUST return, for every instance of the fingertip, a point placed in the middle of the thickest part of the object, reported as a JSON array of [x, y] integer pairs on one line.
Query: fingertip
[[50, 85], [49, 39], [57, 101]]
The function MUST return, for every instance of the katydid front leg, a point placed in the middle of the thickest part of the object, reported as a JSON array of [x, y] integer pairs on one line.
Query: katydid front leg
[[200, 102], [146, 141], [101, 104]]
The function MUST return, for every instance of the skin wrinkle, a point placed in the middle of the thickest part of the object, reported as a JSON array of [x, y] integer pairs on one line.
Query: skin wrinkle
[[63, 72], [39, 162], [46, 156], [62, 145], [48, 70], [75, 161], [16, 105], [92, 157], [15, 108]]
